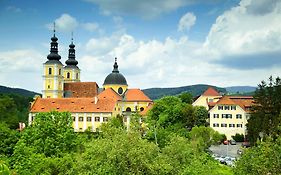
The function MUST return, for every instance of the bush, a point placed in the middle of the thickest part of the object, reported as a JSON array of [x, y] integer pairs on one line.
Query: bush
[[238, 137]]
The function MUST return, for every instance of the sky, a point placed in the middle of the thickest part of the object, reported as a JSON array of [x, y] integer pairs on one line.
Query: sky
[[158, 43]]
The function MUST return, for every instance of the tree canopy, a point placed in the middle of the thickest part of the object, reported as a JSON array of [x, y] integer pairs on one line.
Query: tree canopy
[[266, 116]]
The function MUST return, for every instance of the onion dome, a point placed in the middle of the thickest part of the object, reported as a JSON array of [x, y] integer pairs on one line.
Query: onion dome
[[115, 77], [71, 62], [54, 56]]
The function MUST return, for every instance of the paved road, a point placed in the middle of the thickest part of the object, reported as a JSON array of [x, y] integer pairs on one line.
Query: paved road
[[226, 150]]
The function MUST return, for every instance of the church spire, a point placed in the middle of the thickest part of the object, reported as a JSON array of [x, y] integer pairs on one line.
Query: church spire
[[115, 66], [71, 54], [54, 47]]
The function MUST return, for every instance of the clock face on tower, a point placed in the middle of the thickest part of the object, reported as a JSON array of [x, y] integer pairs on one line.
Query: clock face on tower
[[120, 90]]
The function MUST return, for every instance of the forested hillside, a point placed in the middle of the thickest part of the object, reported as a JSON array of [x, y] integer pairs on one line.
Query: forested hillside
[[18, 91], [195, 90]]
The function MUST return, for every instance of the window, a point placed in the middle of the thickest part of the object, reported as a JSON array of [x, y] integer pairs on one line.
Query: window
[[226, 116], [226, 107], [50, 71], [49, 86], [239, 125], [125, 119], [216, 115], [211, 100], [59, 71], [120, 90], [216, 125], [220, 107], [231, 125], [128, 109], [89, 119], [80, 119], [105, 119], [238, 116], [141, 109], [223, 125], [73, 119], [77, 77], [233, 107], [68, 75], [97, 119]]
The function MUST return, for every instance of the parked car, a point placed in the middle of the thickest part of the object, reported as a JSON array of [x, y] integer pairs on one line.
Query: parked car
[[225, 142], [232, 142]]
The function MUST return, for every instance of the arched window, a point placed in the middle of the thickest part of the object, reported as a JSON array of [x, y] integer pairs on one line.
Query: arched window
[[128, 109], [141, 109], [68, 75], [50, 71]]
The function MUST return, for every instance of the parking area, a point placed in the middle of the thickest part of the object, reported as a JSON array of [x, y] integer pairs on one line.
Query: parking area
[[226, 150]]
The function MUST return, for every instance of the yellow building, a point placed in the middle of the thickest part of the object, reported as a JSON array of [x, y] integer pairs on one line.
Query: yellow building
[[89, 105], [230, 114], [227, 114]]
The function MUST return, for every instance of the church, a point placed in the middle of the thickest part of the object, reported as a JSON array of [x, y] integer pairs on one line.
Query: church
[[89, 104]]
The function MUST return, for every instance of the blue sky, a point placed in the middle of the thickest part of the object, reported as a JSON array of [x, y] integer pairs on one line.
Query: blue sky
[[160, 43]]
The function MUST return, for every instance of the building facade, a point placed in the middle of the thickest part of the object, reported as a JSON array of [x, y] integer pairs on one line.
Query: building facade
[[227, 114], [88, 104]]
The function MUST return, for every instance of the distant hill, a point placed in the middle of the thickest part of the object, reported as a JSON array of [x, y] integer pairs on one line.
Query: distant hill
[[195, 90], [18, 91], [240, 89]]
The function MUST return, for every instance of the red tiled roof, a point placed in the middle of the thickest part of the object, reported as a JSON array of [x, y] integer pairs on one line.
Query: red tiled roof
[[109, 93], [136, 95], [211, 92], [81, 89], [245, 102], [225, 100], [73, 105]]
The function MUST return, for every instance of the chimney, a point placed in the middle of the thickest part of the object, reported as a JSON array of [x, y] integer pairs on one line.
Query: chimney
[[96, 99]]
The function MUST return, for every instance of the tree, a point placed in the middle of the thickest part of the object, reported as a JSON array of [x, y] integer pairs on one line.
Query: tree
[[266, 117], [8, 141], [45, 143], [8, 112], [186, 97], [264, 158], [205, 136]]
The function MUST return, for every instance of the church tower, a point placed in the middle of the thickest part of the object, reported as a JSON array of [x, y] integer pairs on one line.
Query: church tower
[[116, 80], [53, 72], [71, 70]]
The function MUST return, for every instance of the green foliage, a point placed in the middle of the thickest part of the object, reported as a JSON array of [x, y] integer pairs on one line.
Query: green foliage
[[238, 137], [8, 141], [205, 136], [8, 112], [14, 109], [264, 158], [266, 112], [45, 144], [4, 170], [186, 97]]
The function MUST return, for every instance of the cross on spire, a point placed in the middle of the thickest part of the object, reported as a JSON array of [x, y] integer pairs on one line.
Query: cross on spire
[[54, 28]]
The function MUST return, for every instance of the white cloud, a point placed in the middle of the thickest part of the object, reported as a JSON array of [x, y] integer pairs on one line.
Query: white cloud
[[21, 68], [65, 23], [186, 22], [92, 27], [247, 35], [144, 8], [13, 9]]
